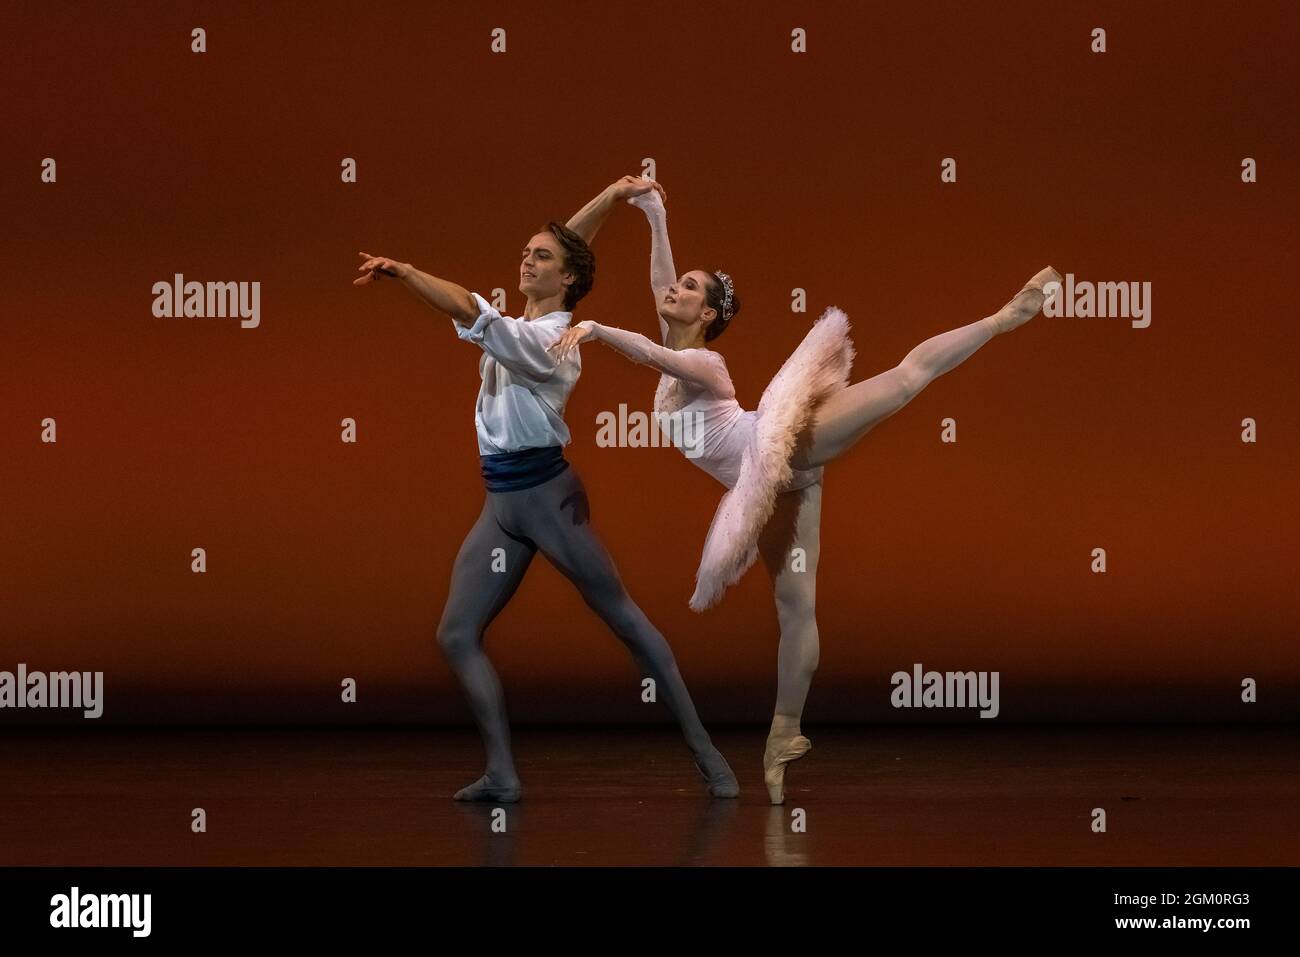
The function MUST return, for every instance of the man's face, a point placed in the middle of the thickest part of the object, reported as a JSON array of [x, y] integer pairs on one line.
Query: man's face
[[542, 273]]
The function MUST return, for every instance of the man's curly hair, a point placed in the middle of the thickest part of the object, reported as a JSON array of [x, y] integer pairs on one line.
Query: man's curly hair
[[578, 259]]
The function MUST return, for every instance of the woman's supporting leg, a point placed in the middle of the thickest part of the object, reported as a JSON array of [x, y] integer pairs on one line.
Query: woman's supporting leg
[[556, 515], [790, 545], [482, 582], [849, 414]]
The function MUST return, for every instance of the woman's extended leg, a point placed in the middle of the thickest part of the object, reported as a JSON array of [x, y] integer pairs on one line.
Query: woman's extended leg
[[482, 582], [790, 545], [850, 413]]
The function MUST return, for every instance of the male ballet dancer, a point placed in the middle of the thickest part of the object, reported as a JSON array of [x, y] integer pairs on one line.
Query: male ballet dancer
[[534, 499]]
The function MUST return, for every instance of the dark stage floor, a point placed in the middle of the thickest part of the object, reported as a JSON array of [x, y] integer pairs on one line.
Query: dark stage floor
[[623, 796]]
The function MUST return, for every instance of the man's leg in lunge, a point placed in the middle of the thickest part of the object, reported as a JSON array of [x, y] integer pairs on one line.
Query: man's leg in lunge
[[482, 581], [558, 521]]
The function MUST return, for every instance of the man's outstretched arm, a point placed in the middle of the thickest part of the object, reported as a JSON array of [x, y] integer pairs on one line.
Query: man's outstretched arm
[[441, 294], [519, 345]]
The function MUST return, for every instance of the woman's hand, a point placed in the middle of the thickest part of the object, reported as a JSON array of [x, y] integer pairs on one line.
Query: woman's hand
[[630, 186], [570, 340], [376, 267], [649, 201]]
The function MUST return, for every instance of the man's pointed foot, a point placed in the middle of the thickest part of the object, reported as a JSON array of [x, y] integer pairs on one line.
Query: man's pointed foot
[[717, 774], [488, 789]]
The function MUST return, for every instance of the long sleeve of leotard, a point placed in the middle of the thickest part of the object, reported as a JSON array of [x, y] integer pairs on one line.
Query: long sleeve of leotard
[[701, 367], [662, 272]]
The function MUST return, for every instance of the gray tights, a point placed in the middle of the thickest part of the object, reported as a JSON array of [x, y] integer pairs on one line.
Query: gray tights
[[553, 518]]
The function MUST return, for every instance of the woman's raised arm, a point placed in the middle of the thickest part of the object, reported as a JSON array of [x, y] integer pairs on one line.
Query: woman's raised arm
[[662, 271]]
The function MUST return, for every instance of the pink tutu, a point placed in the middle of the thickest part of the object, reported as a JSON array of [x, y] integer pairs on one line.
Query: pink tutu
[[818, 367]]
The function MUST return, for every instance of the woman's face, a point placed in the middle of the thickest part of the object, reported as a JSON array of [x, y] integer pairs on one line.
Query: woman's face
[[542, 272], [684, 302]]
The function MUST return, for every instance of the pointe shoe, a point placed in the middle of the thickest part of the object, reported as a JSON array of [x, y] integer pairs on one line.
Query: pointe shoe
[[719, 777], [779, 753], [1027, 303], [485, 790]]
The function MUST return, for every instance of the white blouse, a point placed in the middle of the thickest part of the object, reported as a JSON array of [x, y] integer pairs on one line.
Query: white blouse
[[521, 400]]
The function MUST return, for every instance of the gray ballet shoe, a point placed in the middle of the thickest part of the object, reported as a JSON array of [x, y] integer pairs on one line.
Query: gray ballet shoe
[[484, 789], [718, 775]]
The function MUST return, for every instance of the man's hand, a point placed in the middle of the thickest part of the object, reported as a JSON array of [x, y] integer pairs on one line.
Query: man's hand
[[376, 267], [630, 186], [587, 221], [562, 346]]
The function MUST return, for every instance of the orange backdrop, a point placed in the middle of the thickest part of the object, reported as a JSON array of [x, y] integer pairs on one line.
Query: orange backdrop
[[818, 171]]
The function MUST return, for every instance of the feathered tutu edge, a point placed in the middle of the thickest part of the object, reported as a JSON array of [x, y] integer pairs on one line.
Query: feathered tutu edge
[[818, 367]]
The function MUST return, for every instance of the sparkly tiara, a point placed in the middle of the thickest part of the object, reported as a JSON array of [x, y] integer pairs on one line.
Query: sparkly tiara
[[728, 289]]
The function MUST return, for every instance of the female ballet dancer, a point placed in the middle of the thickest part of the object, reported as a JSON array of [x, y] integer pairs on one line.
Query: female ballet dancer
[[771, 459]]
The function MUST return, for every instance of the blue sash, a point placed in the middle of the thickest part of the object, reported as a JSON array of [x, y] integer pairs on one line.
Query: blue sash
[[513, 471]]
